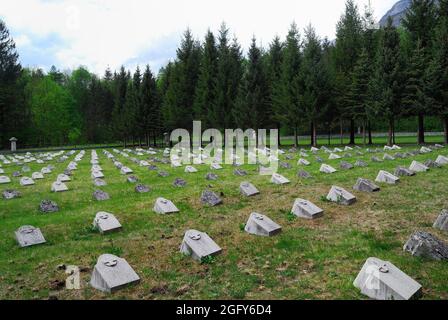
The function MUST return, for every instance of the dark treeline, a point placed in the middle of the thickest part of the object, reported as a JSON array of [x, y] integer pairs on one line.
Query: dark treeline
[[367, 79]]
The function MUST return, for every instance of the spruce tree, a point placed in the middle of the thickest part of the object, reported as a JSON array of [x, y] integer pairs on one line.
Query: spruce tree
[[275, 60], [150, 107]]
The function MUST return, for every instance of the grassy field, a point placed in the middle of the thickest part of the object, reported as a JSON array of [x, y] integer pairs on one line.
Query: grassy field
[[309, 260]]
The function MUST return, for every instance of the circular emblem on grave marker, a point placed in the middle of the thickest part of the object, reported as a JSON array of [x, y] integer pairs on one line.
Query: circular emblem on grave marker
[[384, 268], [259, 217], [111, 263], [195, 236]]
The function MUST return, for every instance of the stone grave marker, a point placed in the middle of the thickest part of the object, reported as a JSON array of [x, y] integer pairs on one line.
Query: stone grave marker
[[248, 189], [388, 157], [63, 178], [418, 167], [175, 164], [99, 182], [199, 245], [346, 165], [45, 170], [165, 206], [141, 188], [261, 225], [190, 169], [97, 175], [26, 181], [376, 159], [16, 174], [442, 160], [215, 166], [381, 280], [239, 172], [325, 168], [305, 209], [4, 179], [27, 236], [210, 198], [425, 150], [441, 222], [399, 155], [2, 171], [11, 194], [153, 167], [365, 185], [266, 171], [96, 167], [106, 222], [279, 179], [112, 273], [303, 162], [360, 163], [386, 177], [359, 153], [178, 182], [431, 164], [37, 175], [319, 159], [303, 174], [132, 179], [424, 244], [100, 195], [125, 170], [211, 176], [162, 173], [48, 206], [341, 196], [333, 156], [59, 186], [285, 165], [143, 163], [402, 171], [26, 169]]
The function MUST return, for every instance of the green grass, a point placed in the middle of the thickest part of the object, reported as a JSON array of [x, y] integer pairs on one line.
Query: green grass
[[309, 260]]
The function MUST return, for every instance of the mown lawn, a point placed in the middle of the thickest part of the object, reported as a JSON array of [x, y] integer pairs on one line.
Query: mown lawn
[[309, 260]]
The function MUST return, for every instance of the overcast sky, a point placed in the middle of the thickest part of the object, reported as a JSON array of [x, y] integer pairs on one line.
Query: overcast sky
[[102, 33]]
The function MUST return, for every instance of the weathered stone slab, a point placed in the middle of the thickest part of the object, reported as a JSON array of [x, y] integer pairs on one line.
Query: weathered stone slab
[[211, 176], [441, 222], [11, 194], [126, 170], [210, 198], [305, 209], [63, 178], [99, 182], [319, 159], [402, 171], [16, 174], [26, 181], [388, 157], [190, 169], [266, 171], [261, 225], [100, 195], [387, 177], [285, 165], [418, 167], [442, 160], [424, 244], [248, 189], [325, 168], [4, 179], [132, 179], [341, 196], [215, 166], [163, 174], [112, 273], [48, 206], [199, 245], [425, 150], [165, 206], [97, 175], [239, 172], [37, 176], [346, 165], [106, 222], [381, 280], [26, 169], [96, 167], [27, 236], [45, 170], [153, 167], [376, 159], [141, 188], [365, 185], [431, 164], [333, 156], [178, 182], [360, 163], [303, 174], [279, 179], [303, 162], [175, 164], [399, 155], [59, 186]]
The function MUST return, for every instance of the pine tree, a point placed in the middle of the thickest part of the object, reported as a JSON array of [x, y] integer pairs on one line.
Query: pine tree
[[206, 92], [420, 21], [348, 47], [10, 71], [386, 86], [286, 98], [253, 99]]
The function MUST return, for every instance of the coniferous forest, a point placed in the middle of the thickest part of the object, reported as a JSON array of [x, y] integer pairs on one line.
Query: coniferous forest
[[368, 79]]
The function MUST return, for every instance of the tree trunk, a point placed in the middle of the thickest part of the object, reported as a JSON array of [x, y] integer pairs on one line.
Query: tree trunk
[[312, 134], [445, 129], [364, 136], [329, 135], [421, 129], [296, 138], [278, 135], [125, 142], [341, 132], [352, 131], [369, 129], [390, 134], [393, 132], [154, 136]]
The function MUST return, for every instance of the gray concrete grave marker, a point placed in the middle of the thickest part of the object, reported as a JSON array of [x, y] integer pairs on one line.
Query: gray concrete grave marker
[[199, 245]]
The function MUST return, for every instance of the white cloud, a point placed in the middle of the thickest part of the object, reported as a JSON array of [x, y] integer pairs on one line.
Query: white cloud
[[101, 33]]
